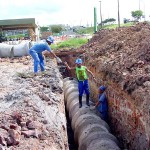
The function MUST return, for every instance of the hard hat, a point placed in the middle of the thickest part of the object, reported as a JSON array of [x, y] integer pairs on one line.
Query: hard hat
[[78, 61], [102, 88], [50, 39]]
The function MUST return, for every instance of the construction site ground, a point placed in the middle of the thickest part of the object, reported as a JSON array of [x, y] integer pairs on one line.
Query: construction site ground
[[32, 113]]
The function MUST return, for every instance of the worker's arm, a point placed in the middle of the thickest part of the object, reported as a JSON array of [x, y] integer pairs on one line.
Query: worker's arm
[[97, 103], [68, 67], [91, 74], [53, 54], [57, 58]]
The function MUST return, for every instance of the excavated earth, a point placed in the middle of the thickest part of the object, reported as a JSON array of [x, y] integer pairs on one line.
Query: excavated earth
[[32, 113], [123, 56]]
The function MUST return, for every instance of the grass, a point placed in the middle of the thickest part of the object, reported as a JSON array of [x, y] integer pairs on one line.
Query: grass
[[71, 43], [113, 26], [90, 30]]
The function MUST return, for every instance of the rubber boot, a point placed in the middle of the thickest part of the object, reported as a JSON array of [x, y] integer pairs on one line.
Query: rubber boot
[[87, 99], [80, 101]]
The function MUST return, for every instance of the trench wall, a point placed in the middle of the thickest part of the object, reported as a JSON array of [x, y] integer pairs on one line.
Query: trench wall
[[130, 123]]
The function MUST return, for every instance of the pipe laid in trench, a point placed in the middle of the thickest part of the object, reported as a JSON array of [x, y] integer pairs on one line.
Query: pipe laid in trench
[[90, 131]]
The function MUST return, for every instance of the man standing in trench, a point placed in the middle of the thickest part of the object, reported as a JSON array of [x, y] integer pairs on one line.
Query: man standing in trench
[[36, 52], [102, 104], [83, 85]]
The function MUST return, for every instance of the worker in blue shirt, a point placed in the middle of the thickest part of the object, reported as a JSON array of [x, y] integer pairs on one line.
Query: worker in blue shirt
[[102, 104], [36, 52]]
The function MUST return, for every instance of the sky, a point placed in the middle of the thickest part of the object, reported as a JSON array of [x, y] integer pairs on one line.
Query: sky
[[71, 12]]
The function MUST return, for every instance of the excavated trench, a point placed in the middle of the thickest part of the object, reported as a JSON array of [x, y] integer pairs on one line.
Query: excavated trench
[[90, 131], [33, 116], [86, 130]]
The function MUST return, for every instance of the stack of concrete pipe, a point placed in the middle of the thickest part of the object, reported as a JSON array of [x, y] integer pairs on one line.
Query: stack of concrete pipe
[[90, 131], [14, 50]]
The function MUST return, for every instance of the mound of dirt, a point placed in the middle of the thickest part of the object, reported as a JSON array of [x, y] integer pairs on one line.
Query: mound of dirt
[[123, 56]]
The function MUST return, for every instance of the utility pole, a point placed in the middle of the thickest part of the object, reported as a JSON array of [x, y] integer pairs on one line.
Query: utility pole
[[139, 5], [95, 20], [118, 15], [101, 14]]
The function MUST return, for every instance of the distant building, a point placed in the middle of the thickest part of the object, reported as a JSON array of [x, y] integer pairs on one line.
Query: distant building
[[26, 25]]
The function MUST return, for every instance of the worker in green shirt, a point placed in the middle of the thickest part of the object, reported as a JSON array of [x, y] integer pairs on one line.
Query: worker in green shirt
[[83, 85]]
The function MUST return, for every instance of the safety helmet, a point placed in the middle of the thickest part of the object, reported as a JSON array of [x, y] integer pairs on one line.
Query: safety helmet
[[78, 61], [102, 88], [50, 39]]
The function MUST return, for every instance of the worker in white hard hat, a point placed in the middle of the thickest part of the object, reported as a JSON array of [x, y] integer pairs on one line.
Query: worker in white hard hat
[[83, 85], [36, 52]]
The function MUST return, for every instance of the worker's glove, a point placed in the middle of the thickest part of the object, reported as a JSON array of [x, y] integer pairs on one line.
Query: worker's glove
[[58, 60]]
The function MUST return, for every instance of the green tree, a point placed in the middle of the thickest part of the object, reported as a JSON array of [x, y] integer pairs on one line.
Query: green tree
[[56, 28], [44, 29], [137, 14], [109, 20]]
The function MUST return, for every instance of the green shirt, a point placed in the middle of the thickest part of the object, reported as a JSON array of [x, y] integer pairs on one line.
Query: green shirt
[[81, 73]]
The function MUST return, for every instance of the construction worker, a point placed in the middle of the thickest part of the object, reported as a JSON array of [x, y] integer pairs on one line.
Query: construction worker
[[102, 104], [83, 85], [36, 52]]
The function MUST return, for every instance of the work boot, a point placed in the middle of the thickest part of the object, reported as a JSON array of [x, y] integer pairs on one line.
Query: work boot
[[80, 101], [87, 99]]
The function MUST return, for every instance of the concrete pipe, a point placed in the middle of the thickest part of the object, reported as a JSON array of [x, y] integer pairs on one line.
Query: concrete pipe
[[6, 50], [82, 110], [70, 97], [87, 129], [90, 131], [99, 137], [103, 145], [69, 84], [75, 107], [77, 120], [21, 49], [71, 103], [69, 80], [70, 89], [89, 116], [82, 122]]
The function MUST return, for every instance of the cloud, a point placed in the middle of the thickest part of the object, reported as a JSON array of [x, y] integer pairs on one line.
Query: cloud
[[72, 12]]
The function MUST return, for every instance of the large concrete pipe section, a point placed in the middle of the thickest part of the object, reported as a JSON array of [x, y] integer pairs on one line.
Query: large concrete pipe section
[[18, 50], [6, 50], [90, 131]]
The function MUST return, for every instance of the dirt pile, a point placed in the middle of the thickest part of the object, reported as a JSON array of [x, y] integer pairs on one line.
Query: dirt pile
[[123, 55], [31, 108]]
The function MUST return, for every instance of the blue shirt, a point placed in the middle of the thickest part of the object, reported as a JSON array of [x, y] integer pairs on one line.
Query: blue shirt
[[40, 47], [103, 106]]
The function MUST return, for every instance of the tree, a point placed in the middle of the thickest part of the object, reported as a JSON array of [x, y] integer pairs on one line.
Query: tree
[[56, 28], [109, 20], [44, 29], [137, 14]]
